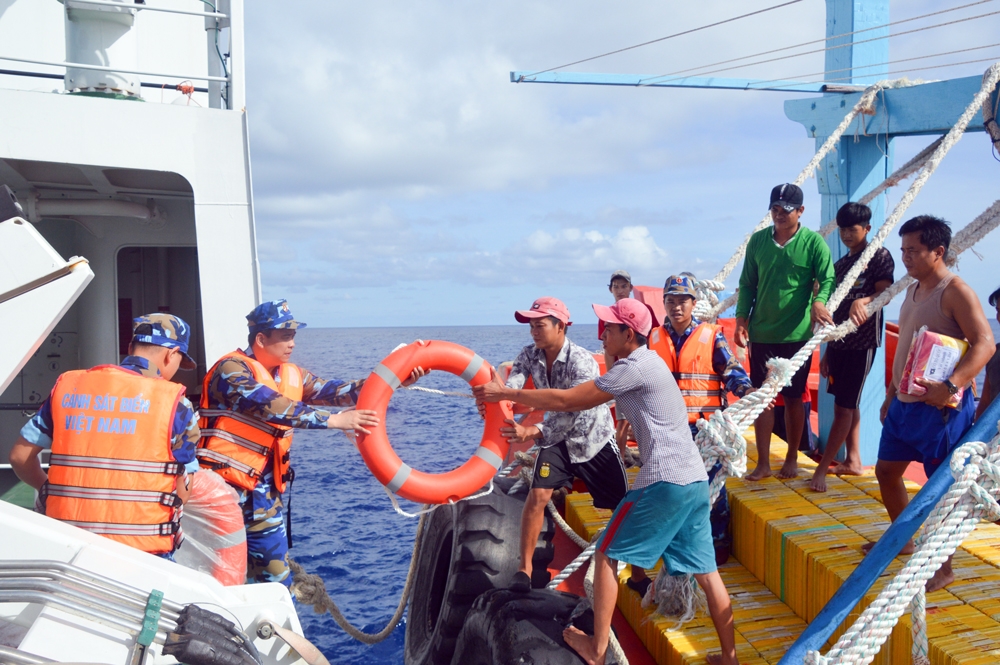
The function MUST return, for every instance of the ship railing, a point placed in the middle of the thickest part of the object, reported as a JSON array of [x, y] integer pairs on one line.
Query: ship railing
[[216, 19]]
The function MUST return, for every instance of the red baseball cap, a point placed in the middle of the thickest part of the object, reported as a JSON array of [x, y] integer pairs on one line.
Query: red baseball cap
[[544, 306], [636, 315]]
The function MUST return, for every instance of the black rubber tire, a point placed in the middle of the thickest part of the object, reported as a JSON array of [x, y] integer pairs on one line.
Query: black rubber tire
[[466, 549], [507, 628]]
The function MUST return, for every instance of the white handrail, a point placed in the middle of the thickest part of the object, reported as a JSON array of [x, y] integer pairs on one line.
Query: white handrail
[[102, 68]]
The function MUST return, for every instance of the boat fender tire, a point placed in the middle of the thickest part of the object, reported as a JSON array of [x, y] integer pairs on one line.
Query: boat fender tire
[[466, 549], [507, 628], [382, 460]]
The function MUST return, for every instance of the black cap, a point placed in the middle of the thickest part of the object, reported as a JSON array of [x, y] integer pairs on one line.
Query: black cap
[[788, 196]]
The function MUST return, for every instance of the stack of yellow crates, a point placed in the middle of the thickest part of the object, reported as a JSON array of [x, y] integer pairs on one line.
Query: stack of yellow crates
[[792, 549]]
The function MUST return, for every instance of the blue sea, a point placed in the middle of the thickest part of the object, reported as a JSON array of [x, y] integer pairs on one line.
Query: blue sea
[[344, 527]]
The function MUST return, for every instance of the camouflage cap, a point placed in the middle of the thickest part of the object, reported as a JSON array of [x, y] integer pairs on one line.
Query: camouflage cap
[[164, 330], [680, 285], [273, 315]]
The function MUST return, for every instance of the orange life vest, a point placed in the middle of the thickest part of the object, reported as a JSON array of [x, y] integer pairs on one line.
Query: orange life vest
[[238, 447], [112, 471], [703, 390]]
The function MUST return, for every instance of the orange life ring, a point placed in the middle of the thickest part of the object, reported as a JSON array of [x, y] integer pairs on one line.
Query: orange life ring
[[383, 461]]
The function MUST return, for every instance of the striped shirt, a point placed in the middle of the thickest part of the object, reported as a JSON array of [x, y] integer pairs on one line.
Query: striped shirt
[[645, 391]]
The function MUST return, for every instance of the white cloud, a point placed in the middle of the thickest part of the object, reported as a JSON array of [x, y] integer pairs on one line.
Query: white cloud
[[388, 141]]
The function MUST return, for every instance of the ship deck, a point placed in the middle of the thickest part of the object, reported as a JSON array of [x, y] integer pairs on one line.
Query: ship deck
[[792, 549]]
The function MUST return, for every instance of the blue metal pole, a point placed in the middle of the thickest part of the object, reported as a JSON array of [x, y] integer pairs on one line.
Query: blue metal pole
[[878, 559]]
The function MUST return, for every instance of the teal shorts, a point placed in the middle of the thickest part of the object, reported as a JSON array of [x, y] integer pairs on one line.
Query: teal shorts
[[663, 521]]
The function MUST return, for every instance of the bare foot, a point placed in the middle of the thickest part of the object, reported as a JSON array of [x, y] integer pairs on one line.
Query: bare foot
[[940, 580], [818, 482], [842, 469], [790, 469], [719, 659], [908, 548], [759, 473], [583, 644]]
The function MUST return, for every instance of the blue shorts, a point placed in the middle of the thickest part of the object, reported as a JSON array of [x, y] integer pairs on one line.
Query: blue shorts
[[918, 432], [663, 521]]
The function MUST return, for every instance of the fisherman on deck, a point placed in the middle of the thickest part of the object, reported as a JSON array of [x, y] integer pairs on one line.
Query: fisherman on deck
[[705, 369], [924, 428], [847, 361], [571, 445], [620, 285], [119, 434], [776, 311], [251, 401], [666, 513]]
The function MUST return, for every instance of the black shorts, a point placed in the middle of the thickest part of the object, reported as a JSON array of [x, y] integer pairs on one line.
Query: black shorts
[[848, 370], [604, 473], [759, 355]]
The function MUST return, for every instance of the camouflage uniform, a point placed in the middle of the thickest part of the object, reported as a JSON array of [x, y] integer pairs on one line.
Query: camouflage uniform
[[233, 387]]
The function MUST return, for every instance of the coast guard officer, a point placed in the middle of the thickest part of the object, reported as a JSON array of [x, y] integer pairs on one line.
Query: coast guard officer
[[119, 434], [251, 402]]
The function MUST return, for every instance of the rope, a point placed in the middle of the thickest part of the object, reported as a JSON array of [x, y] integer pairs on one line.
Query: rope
[[573, 566], [448, 393], [588, 586], [310, 590], [972, 497], [567, 529], [720, 439], [865, 107], [903, 172], [990, 120]]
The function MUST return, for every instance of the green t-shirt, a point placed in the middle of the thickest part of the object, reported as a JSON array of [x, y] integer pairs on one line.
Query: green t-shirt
[[776, 286]]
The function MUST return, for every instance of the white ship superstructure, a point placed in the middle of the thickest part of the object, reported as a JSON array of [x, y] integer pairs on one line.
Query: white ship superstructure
[[125, 140]]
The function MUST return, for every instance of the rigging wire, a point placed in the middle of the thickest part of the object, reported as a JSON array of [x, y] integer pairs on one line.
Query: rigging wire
[[676, 34], [880, 64], [995, 58], [826, 39], [821, 50]]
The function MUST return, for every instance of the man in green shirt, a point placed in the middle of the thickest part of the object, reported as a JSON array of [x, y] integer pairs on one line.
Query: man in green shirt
[[776, 310]]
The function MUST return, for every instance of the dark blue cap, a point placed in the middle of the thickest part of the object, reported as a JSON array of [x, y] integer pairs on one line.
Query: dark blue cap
[[273, 315], [164, 330]]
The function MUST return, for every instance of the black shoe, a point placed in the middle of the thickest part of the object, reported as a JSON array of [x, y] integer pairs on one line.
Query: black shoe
[[520, 583], [640, 587]]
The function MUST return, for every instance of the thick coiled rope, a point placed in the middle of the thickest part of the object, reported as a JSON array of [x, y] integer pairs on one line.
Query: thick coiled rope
[[972, 497]]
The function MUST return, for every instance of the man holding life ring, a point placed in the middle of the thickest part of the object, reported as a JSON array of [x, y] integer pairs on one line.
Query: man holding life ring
[[666, 513], [251, 401], [118, 434], [571, 445]]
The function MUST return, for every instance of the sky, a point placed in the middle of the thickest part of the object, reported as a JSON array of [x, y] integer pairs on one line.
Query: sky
[[401, 179]]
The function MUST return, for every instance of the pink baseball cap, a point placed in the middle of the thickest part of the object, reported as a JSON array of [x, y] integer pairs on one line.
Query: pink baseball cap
[[544, 306], [636, 315]]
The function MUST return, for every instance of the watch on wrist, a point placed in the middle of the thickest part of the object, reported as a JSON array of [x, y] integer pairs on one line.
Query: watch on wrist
[[952, 388]]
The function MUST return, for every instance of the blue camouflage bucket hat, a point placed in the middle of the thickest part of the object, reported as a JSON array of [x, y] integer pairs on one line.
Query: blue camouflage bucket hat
[[272, 315], [680, 285], [164, 330]]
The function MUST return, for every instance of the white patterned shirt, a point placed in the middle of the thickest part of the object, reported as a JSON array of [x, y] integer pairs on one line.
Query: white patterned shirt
[[584, 432], [646, 392]]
